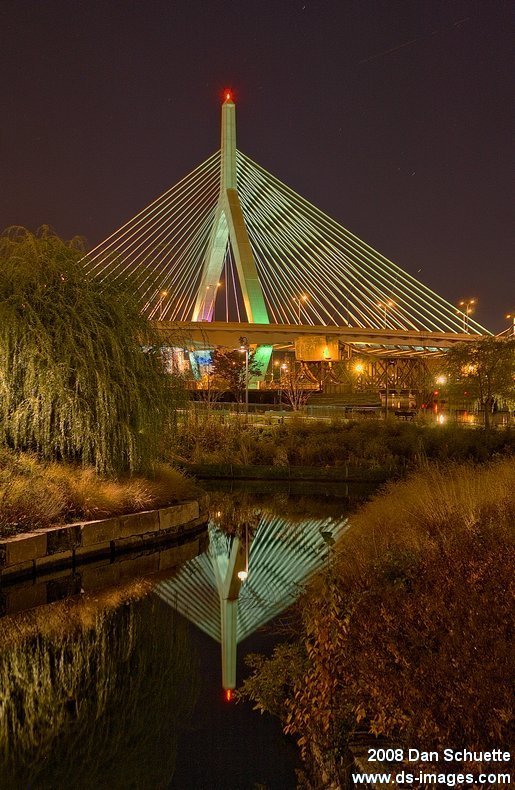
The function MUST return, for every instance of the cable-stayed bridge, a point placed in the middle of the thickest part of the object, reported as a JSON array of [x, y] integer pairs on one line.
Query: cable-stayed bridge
[[231, 250]]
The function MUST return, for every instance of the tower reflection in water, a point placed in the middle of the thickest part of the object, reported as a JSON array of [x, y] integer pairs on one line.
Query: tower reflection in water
[[248, 577]]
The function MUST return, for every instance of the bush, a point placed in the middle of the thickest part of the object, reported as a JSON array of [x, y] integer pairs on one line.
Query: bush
[[391, 445], [407, 634], [81, 374]]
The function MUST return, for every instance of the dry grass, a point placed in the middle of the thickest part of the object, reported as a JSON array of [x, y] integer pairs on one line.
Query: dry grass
[[432, 506], [406, 634], [34, 494]]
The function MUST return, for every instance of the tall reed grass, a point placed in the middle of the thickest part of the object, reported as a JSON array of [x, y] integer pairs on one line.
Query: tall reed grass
[[391, 445], [435, 504], [35, 494]]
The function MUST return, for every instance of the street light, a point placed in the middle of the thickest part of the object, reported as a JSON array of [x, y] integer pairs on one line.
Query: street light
[[300, 299], [244, 348], [468, 304], [283, 369], [389, 363], [162, 295], [359, 369], [244, 574], [385, 306]]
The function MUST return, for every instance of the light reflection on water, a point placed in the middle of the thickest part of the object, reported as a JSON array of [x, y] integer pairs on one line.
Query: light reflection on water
[[103, 690]]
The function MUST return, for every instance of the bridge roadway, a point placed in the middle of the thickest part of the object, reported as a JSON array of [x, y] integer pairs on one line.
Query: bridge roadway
[[219, 333]]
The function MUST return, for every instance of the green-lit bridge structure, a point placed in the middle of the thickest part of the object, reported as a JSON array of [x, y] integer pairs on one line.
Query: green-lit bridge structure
[[230, 250]]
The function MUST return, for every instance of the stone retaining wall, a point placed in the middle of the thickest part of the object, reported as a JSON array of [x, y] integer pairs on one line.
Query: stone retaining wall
[[344, 473], [100, 572], [31, 553]]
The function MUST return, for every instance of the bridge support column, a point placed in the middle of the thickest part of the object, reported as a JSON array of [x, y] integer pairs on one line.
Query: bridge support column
[[229, 584]]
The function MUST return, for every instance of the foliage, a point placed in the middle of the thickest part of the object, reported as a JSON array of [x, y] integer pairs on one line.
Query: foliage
[[392, 445], [273, 682], [293, 383], [229, 367], [484, 369], [35, 494], [210, 388], [81, 373], [407, 634], [93, 705]]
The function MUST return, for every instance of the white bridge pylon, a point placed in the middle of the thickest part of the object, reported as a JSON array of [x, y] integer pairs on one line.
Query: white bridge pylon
[[229, 227], [281, 260]]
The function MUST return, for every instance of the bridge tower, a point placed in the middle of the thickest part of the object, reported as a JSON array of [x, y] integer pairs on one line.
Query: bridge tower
[[229, 227]]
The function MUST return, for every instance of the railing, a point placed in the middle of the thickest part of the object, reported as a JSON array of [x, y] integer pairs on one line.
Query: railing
[[272, 413]]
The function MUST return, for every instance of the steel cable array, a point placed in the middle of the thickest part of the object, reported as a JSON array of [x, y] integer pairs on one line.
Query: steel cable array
[[311, 269]]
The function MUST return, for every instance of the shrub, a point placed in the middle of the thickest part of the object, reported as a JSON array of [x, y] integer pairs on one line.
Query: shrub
[[407, 634]]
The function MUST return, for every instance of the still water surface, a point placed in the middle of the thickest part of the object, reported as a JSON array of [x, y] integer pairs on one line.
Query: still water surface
[[127, 687]]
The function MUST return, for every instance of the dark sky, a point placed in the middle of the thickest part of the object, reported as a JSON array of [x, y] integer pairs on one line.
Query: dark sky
[[392, 116]]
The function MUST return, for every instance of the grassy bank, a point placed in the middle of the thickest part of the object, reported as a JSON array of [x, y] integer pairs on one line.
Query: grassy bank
[[35, 494], [390, 445], [406, 634]]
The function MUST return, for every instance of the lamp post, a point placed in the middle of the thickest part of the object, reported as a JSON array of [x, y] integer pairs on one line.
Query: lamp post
[[244, 348], [388, 363], [385, 306], [299, 300], [282, 369], [162, 295], [359, 369], [244, 574], [468, 304], [387, 393]]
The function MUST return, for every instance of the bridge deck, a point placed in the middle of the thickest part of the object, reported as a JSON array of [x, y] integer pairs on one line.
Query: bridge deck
[[220, 333]]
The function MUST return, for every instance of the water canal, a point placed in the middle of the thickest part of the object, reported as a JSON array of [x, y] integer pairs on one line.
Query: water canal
[[126, 685]]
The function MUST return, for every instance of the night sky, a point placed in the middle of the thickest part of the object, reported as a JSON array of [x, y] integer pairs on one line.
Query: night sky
[[393, 117]]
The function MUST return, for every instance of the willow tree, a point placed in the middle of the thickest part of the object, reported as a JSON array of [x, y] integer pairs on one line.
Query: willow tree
[[82, 376]]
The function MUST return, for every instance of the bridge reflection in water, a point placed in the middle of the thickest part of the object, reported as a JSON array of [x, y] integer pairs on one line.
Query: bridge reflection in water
[[247, 578]]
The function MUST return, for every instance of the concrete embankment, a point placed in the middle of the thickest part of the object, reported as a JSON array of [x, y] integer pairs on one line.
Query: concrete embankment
[[344, 473], [29, 554]]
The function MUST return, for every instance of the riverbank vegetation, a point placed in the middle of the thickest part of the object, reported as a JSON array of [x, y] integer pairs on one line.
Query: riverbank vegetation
[[82, 374], [406, 634], [36, 493], [86, 396], [392, 445]]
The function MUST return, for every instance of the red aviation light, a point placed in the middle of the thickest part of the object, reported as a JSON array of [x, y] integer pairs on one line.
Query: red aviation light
[[228, 695], [228, 95]]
